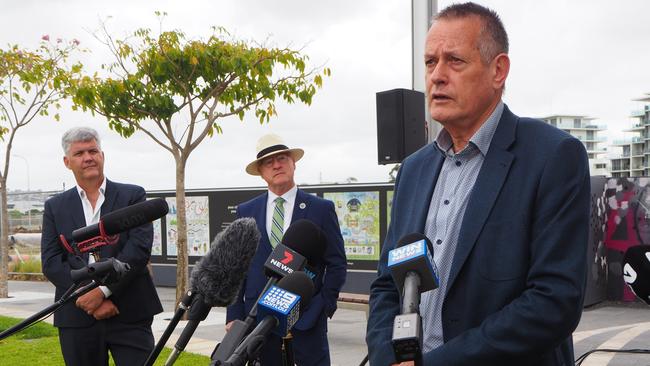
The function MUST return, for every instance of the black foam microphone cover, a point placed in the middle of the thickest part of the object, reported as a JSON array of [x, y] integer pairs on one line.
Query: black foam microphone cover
[[636, 271], [306, 238], [219, 275], [124, 219], [300, 284]]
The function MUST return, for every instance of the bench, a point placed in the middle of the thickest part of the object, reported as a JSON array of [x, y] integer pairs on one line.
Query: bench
[[352, 301]]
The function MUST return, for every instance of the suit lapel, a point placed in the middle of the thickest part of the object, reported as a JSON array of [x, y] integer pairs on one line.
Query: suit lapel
[[76, 209], [300, 206], [489, 182], [110, 196], [426, 182], [260, 217]]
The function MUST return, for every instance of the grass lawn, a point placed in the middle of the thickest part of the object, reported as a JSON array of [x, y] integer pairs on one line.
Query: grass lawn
[[39, 345]]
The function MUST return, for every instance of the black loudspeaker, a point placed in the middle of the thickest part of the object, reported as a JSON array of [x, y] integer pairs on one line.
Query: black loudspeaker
[[401, 125]]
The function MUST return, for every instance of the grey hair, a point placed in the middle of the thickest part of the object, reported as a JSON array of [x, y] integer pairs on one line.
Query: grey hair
[[78, 134], [493, 39]]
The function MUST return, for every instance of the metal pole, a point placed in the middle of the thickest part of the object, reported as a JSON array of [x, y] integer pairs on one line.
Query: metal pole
[[422, 12]]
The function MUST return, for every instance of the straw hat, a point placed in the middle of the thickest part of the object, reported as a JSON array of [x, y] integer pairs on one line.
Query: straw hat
[[269, 145]]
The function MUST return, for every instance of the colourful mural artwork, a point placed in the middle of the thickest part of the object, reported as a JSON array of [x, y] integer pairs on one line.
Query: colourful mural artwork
[[628, 221], [358, 214]]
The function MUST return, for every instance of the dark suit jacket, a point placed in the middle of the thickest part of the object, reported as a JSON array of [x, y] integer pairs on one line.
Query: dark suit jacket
[[517, 280], [135, 295], [329, 279]]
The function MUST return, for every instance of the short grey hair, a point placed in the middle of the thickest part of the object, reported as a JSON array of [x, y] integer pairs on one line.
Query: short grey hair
[[493, 38], [79, 134]]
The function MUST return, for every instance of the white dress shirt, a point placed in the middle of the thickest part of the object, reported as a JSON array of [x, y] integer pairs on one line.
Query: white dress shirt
[[289, 200], [92, 217]]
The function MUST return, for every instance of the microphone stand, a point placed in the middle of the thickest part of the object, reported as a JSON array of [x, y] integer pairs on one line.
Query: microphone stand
[[287, 350], [238, 331], [70, 295], [182, 308]]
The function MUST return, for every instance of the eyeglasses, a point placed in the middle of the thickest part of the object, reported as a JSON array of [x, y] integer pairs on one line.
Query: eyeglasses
[[281, 159]]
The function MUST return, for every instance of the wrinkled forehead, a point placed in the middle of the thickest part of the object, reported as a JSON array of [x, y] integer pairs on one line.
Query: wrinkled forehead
[[80, 146], [453, 34]]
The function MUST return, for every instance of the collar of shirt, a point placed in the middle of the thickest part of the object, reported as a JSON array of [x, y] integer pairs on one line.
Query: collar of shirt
[[92, 215], [480, 140], [289, 196], [290, 199]]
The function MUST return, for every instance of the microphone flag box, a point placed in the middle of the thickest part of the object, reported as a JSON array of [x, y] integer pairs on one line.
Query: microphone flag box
[[413, 257], [281, 304], [284, 260]]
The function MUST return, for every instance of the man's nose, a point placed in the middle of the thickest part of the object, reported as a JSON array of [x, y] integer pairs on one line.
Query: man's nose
[[438, 74]]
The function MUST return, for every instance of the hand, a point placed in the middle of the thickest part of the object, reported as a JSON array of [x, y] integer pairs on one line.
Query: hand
[[106, 310], [90, 301], [407, 363], [229, 325]]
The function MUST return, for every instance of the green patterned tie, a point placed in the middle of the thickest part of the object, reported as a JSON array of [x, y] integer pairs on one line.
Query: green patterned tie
[[277, 225]]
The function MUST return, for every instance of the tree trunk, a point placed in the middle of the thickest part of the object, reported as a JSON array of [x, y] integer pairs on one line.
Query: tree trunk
[[182, 263], [4, 241]]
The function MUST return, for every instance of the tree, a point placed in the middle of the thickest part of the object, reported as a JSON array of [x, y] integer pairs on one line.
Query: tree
[[176, 90], [31, 83]]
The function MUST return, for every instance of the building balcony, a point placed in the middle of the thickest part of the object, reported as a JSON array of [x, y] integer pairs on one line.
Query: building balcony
[[623, 169], [635, 127], [582, 126]]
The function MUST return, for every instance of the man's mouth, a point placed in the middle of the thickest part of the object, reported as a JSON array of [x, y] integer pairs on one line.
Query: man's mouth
[[439, 97]]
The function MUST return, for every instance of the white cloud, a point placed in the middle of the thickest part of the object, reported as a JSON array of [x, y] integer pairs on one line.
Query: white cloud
[[578, 57]]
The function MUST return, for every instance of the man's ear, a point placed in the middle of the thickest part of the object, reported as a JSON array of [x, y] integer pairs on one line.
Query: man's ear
[[501, 68], [66, 162]]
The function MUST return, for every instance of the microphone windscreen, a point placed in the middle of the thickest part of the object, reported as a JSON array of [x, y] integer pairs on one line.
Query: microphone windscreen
[[130, 217], [300, 284], [636, 271], [306, 238], [412, 238], [219, 275]]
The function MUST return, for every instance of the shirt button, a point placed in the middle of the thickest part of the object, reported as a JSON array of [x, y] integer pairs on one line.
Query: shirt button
[[439, 241], [458, 163], [446, 202]]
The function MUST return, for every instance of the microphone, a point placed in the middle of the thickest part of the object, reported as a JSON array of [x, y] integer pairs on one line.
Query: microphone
[[218, 276], [105, 272], [306, 238], [413, 272], [124, 219], [279, 309], [636, 271], [302, 245]]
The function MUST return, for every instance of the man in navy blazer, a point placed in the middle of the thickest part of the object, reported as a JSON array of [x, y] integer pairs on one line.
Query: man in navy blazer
[[116, 317], [275, 163], [505, 202]]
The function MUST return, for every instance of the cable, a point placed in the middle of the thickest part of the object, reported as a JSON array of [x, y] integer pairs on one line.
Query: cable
[[580, 359]]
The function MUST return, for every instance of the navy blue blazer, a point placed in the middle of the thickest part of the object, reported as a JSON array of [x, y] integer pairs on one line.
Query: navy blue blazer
[[329, 279], [517, 280], [135, 295]]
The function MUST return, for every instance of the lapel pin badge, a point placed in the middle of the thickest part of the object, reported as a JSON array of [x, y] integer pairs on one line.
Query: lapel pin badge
[[302, 205]]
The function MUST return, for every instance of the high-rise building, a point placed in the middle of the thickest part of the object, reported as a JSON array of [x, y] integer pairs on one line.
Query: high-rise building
[[583, 128], [634, 161]]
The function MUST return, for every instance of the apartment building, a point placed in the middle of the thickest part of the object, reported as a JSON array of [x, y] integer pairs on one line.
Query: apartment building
[[634, 161], [585, 130]]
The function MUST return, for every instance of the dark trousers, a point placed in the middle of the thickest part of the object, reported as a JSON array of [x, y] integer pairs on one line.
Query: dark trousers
[[129, 343], [310, 347]]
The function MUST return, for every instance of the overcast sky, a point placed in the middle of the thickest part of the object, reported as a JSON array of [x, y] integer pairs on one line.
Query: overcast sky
[[567, 57]]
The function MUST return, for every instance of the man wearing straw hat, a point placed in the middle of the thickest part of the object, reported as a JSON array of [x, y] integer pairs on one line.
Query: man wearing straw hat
[[274, 211]]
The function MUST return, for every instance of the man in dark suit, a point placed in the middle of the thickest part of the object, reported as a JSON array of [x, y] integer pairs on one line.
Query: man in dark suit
[[116, 317], [274, 211], [505, 202]]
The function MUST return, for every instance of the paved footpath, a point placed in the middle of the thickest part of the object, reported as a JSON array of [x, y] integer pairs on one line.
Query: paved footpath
[[610, 325]]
